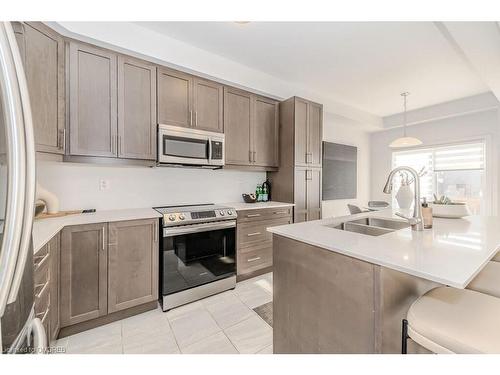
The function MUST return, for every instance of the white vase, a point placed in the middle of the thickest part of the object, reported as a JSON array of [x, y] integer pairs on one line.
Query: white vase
[[404, 197]]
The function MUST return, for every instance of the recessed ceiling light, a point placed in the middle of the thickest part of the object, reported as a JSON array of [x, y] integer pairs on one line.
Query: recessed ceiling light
[[242, 22]]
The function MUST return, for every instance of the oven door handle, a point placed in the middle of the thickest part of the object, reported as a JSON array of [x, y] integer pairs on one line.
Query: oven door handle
[[196, 228]]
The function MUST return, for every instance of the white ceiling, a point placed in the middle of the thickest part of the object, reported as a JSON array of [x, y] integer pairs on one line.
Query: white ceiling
[[362, 64]]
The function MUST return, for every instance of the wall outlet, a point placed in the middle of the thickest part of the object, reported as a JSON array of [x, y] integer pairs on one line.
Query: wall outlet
[[104, 184]]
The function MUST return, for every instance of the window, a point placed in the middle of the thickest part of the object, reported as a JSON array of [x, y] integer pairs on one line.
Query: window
[[457, 171]]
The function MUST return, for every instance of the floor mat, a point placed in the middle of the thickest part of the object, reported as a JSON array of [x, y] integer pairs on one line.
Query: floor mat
[[265, 312]]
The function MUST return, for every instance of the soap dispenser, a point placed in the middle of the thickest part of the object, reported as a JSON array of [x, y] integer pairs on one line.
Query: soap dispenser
[[426, 214]]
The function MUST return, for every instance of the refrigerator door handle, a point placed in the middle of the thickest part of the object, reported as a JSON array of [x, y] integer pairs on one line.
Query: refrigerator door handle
[[16, 179], [29, 137], [39, 336]]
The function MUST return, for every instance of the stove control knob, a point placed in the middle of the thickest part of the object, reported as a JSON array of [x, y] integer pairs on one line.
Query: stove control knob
[[182, 217], [221, 213], [171, 217], [229, 212]]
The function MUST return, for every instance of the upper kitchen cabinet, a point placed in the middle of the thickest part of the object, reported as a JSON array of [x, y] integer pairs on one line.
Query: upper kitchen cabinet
[[188, 101], [265, 132], [237, 126], [251, 130], [175, 91], [136, 109], [208, 105], [307, 117], [42, 52], [93, 101]]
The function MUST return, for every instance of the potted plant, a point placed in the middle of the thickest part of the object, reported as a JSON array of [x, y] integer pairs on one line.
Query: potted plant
[[444, 207]]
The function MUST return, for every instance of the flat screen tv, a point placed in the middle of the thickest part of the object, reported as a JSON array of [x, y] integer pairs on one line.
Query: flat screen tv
[[339, 171]]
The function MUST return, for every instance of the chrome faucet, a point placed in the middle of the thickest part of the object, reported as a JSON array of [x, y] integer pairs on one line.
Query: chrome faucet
[[416, 222]]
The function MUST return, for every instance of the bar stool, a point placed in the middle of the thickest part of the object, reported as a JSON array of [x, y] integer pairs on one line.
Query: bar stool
[[450, 320], [488, 280]]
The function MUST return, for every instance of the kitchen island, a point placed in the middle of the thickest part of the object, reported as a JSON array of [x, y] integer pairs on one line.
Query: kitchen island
[[343, 285]]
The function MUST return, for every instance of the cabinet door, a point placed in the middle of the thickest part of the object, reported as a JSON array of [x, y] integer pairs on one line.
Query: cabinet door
[[313, 177], [301, 116], [133, 263], [314, 134], [265, 132], [300, 195], [207, 105], [83, 273], [174, 98], [93, 113], [44, 68], [54, 286], [237, 121], [136, 109]]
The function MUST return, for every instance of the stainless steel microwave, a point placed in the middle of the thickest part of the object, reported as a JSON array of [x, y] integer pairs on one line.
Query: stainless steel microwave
[[187, 146]]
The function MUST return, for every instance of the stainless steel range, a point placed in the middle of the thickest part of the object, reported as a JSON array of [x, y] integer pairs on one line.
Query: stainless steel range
[[197, 252]]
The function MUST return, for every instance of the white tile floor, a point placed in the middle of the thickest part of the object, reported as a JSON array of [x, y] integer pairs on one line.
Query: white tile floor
[[221, 324]]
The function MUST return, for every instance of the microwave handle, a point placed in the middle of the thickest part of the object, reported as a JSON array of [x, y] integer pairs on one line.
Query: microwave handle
[[209, 150]]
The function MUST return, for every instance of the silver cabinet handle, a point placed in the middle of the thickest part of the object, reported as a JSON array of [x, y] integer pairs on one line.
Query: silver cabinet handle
[[253, 234], [253, 215], [190, 117], [119, 141], [253, 259], [103, 240], [156, 230], [254, 156], [280, 212], [64, 139], [40, 260], [196, 118]]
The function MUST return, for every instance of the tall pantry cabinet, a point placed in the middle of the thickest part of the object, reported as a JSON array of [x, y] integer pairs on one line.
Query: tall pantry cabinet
[[298, 179]]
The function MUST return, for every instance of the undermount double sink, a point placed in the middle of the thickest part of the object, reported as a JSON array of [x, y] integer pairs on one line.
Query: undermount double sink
[[371, 226]]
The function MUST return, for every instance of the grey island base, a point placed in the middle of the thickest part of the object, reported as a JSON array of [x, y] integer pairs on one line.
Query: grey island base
[[326, 302]]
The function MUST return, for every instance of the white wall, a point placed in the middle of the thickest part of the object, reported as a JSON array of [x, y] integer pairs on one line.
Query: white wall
[[77, 185], [338, 131], [462, 128]]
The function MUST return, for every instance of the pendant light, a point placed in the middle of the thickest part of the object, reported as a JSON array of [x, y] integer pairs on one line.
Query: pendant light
[[405, 141]]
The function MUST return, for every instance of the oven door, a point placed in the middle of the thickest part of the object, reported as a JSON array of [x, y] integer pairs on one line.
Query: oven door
[[197, 254], [183, 146]]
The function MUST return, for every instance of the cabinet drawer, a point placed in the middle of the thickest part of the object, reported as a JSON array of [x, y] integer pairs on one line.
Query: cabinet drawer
[[255, 258], [41, 262], [249, 233], [42, 304], [264, 214]]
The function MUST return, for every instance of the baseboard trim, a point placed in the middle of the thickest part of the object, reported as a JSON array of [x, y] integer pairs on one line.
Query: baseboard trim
[[249, 275], [113, 317]]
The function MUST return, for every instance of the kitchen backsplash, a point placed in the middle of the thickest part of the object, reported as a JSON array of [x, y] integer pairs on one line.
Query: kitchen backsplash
[[103, 187]]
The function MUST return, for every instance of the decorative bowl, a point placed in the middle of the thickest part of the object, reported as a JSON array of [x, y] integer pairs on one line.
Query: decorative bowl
[[450, 211], [249, 198]]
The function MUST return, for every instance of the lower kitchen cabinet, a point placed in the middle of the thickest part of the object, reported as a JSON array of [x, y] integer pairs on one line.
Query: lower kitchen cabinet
[[307, 194], [254, 252], [133, 263], [106, 268], [83, 273]]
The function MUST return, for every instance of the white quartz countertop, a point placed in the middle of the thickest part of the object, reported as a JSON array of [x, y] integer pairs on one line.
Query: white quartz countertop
[[451, 253], [239, 206], [45, 229]]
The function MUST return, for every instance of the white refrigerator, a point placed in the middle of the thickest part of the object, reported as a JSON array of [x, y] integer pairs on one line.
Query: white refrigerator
[[20, 330]]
